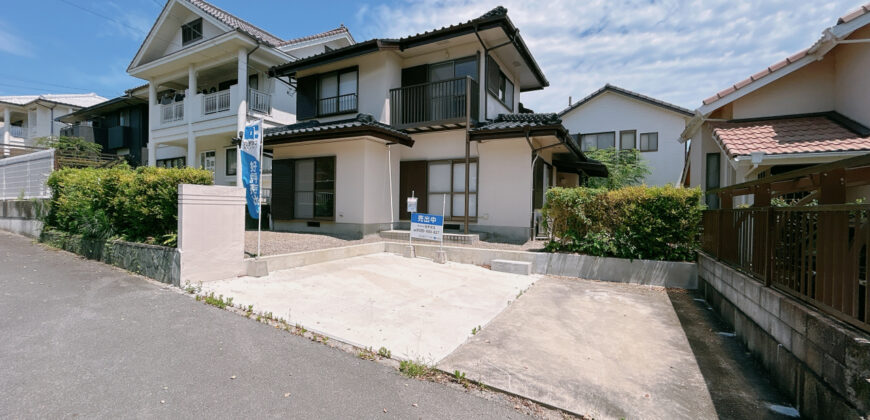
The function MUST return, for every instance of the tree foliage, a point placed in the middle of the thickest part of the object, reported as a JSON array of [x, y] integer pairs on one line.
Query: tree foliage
[[625, 168], [76, 146]]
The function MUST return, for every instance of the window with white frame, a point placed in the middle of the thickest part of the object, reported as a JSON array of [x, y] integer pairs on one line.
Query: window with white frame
[[649, 142]]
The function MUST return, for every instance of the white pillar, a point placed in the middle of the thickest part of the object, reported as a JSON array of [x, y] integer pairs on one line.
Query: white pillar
[[242, 112], [189, 111], [6, 128], [152, 114]]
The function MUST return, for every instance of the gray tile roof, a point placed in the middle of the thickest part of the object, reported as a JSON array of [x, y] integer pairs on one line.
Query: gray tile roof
[[237, 23], [315, 126], [510, 121], [648, 99], [341, 29]]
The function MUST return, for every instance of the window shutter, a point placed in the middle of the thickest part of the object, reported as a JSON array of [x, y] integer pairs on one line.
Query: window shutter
[[492, 75], [282, 190], [306, 97]]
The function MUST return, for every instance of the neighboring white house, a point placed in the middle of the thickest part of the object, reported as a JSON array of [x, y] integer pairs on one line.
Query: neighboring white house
[[620, 118], [386, 119], [207, 76], [29, 117], [810, 108]]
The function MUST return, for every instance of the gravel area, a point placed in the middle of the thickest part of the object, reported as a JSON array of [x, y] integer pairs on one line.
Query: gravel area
[[276, 243]]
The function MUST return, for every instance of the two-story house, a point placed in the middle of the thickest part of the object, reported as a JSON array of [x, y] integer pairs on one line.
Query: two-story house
[[207, 73], [812, 107], [29, 117], [434, 116], [119, 125], [613, 117]]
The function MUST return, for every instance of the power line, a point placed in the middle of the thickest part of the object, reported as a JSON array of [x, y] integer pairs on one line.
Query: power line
[[7, 77], [100, 15]]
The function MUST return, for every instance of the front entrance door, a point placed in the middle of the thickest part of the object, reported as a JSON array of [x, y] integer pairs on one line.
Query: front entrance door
[[207, 160], [413, 177]]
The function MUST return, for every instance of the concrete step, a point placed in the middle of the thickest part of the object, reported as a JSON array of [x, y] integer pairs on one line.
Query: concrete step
[[513, 267], [449, 238]]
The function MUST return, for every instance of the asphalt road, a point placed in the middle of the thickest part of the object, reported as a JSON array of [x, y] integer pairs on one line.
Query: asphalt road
[[82, 339]]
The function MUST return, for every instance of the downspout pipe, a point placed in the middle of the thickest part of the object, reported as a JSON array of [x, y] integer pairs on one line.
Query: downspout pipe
[[535, 156]]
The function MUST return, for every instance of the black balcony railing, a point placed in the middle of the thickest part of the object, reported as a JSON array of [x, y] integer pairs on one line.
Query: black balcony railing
[[434, 103], [341, 104]]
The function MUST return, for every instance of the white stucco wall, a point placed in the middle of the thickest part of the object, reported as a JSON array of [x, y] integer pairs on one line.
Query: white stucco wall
[[505, 192], [614, 112]]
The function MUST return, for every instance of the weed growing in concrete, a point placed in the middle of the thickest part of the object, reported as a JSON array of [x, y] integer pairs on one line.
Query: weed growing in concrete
[[414, 369], [301, 329], [250, 311], [384, 352], [367, 354], [218, 301], [475, 330]]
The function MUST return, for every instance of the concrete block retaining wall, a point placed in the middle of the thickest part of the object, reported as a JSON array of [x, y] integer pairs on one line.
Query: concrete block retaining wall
[[157, 262], [822, 363], [23, 216]]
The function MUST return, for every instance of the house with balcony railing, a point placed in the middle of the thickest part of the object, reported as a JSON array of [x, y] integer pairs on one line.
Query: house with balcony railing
[[434, 116], [29, 117], [207, 75]]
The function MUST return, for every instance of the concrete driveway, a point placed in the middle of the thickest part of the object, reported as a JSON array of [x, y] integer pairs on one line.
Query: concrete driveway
[[606, 350], [417, 309]]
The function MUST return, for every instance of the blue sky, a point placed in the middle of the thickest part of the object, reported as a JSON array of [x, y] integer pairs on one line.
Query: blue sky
[[677, 50]]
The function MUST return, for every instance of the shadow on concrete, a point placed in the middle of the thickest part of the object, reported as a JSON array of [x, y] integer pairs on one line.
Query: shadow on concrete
[[738, 384]]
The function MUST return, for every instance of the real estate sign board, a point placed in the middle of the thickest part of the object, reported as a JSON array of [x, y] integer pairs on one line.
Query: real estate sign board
[[427, 226]]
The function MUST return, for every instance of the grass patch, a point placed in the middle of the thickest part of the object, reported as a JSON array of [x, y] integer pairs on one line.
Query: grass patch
[[218, 301], [384, 352]]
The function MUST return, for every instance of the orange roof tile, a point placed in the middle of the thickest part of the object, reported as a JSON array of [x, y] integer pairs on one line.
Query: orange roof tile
[[808, 134]]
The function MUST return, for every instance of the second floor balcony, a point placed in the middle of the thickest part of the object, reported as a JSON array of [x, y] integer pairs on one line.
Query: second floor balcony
[[444, 103], [217, 104]]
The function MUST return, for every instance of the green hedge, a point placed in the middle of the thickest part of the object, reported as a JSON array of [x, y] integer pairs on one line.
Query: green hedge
[[136, 205], [654, 223]]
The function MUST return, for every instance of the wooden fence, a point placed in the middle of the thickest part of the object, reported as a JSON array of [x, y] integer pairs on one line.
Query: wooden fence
[[816, 253]]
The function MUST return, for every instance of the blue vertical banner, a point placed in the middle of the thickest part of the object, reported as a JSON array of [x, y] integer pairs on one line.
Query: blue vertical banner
[[251, 151]]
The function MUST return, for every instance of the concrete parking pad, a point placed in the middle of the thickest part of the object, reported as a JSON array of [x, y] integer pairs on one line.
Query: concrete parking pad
[[606, 350], [416, 308]]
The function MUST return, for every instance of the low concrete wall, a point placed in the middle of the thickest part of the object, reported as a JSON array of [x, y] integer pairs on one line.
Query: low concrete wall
[[268, 264], [656, 273], [23, 216], [157, 262], [822, 363]]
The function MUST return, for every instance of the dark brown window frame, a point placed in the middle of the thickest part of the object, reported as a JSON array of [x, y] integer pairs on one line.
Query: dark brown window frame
[[164, 161], [315, 190], [580, 139], [227, 160], [337, 74], [634, 146], [501, 83], [189, 26], [452, 193], [640, 143]]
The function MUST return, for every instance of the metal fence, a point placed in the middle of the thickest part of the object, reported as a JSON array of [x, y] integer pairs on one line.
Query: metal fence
[[23, 175]]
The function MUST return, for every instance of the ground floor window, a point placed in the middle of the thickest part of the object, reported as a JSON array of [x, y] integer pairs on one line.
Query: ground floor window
[[231, 161], [304, 188], [649, 142], [446, 183]]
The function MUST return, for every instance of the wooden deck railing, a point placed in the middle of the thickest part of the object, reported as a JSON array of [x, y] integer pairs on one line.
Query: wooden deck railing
[[816, 253]]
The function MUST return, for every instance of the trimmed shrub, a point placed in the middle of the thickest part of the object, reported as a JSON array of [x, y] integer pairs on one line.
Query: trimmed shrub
[[136, 205], [653, 223]]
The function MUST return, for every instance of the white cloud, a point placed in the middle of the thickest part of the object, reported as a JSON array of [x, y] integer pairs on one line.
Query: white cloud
[[680, 51], [13, 44]]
